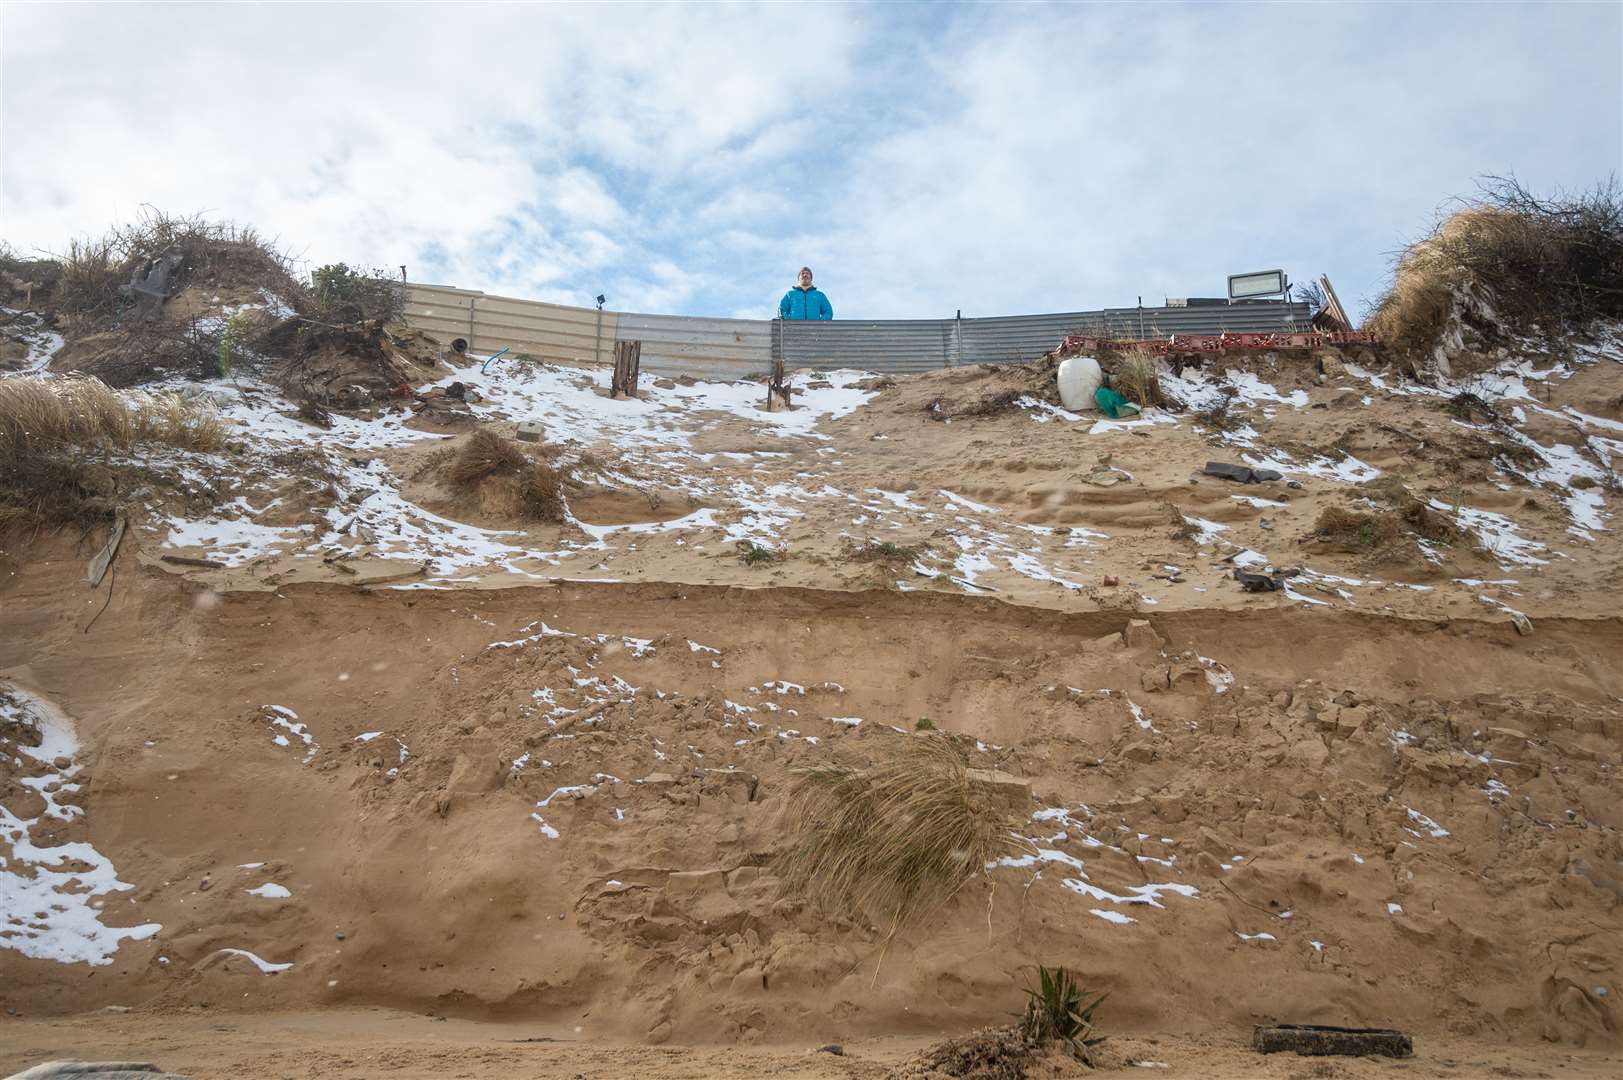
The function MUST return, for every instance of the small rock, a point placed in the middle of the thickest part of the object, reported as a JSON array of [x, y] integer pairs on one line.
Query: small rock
[[832, 1048], [1111, 581], [205, 885], [340, 935], [529, 431]]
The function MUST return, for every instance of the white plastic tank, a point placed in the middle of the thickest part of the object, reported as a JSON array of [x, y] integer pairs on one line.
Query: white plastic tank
[[1079, 377]]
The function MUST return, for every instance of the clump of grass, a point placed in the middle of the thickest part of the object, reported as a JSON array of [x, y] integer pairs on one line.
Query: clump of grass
[[1384, 527], [1217, 416], [1581, 483], [39, 415], [485, 454], [924, 723], [1518, 260], [883, 551], [66, 445], [1351, 527], [508, 481], [1058, 1010], [751, 553], [1135, 378], [894, 834]]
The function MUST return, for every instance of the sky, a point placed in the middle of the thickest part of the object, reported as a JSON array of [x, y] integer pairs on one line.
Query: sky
[[994, 159]]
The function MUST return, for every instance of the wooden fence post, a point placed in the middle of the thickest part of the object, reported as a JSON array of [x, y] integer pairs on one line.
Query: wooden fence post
[[627, 365]]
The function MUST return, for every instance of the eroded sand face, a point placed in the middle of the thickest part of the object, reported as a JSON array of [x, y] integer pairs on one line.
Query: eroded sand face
[[545, 774]]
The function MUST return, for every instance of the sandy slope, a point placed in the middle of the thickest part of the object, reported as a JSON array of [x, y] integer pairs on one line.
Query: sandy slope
[[541, 772]]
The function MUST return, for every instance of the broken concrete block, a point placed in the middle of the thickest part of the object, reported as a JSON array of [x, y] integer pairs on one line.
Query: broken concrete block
[[529, 431]]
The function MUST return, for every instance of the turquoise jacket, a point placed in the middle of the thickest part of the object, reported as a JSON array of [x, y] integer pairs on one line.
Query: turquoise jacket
[[800, 303]]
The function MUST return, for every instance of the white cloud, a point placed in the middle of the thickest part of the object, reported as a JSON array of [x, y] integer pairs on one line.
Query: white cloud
[[689, 158]]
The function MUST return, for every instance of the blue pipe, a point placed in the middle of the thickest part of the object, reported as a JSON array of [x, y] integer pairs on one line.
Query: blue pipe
[[492, 358]]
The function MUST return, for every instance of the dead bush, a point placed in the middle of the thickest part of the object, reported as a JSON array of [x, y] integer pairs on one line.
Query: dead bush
[[341, 293], [507, 481], [894, 833], [1001, 1053], [1511, 258], [1381, 529], [485, 454], [91, 288], [1350, 527]]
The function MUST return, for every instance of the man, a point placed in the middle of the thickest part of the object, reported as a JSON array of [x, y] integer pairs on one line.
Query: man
[[805, 302]]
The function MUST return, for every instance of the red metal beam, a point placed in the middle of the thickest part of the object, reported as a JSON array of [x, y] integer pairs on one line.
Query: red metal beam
[[1220, 342]]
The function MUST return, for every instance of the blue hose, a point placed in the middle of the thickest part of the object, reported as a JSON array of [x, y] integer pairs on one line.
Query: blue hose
[[492, 358]]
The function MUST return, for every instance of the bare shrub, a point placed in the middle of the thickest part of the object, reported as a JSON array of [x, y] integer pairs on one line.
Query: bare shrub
[[342, 293], [1384, 527], [509, 482], [1550, 264], [485, 454]]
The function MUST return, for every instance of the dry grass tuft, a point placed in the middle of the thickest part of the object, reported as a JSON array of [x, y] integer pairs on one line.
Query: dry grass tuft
[[61, 441], [999, 1053], [485, 454], [894, 835], [1135, 379], [508, 482], [1363, 530], [882, 551], [1383, 528], [1511, 258], [39, 415]]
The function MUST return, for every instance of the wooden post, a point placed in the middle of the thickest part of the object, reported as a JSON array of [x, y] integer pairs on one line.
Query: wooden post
[[627, 366], [777, 394]]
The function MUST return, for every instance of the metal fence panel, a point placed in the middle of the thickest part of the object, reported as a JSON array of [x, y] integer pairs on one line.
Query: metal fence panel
[[738, 348], [891, 346], [545, 331], [699, 347]]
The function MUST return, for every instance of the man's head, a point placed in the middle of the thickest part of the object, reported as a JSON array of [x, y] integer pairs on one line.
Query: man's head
[[805, 277]]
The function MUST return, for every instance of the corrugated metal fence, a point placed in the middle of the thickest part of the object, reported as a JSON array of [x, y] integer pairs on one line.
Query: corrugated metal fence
[[736, 348]]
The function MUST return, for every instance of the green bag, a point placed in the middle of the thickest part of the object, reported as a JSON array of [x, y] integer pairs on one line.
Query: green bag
[[1113, 404]]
